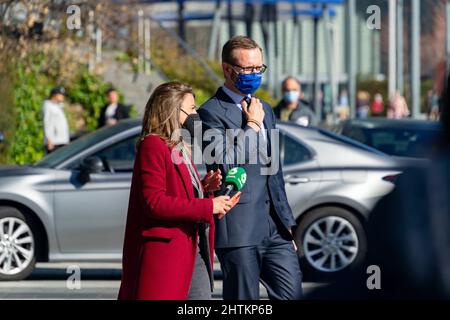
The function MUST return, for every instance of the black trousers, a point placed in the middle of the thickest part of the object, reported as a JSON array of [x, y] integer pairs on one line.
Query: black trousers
[[274, 262]]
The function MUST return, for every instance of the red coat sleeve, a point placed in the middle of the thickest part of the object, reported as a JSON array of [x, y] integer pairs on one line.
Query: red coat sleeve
[[152, 160]]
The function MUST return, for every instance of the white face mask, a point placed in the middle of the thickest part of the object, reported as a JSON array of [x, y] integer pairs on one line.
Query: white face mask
[[303, 121], [291, 96]]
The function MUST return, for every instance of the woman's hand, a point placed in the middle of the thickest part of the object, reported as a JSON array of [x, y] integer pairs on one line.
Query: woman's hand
[[212, 181], [221, 205]]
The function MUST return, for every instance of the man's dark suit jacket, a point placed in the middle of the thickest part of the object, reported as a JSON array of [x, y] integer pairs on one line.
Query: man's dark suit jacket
[[246, 223], [122, 112]]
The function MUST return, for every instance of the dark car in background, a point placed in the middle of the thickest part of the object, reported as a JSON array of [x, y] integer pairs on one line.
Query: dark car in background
[[411, 141]]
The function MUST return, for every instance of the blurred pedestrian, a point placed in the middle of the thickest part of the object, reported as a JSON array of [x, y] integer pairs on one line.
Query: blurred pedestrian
[[413, 253], [432, 105], [362, 104], [408, 235], [293, 107], [398, 108], [377, 107], [113, 111], [56, 127], [343, 108]]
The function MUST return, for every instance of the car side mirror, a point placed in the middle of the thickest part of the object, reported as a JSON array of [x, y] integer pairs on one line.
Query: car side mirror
[[90, 165]]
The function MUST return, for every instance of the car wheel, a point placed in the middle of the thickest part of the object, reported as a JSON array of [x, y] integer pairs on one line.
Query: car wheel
[[331, 241], [17, 245]]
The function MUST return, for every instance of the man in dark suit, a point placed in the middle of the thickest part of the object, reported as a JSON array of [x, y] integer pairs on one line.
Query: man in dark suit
[[113, 111], [254, 239]]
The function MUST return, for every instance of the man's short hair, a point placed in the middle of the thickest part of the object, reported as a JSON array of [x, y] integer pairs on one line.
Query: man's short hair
[[290, 78], [111, 89], [237, 42]]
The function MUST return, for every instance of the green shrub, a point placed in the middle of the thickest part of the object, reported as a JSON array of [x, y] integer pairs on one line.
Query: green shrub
[[89, 91], [21, 118], [31, 87], [7, 111]]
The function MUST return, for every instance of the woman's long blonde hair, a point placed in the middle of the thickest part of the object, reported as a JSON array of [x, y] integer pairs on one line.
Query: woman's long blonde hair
[[161, 116]]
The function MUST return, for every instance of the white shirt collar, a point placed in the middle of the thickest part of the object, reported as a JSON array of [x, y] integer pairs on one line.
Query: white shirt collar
[[237, 98]]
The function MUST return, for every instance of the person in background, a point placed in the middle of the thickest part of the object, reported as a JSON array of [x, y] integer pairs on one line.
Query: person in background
[[56, 127], [343, 109], [362, 104], [414, 218], [407, 234], [397, 107], [292, 107], [377, 107], [113, 111], [432, 105]]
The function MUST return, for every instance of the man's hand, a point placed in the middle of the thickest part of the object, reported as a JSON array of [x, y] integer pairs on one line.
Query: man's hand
[[253, 112], [50, 145], [112, 122]]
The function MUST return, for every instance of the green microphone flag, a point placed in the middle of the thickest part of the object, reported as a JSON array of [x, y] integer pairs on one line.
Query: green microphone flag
[[235, 179]]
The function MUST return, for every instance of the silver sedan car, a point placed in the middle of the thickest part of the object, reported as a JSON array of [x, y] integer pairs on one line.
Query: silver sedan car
[[72, 205]]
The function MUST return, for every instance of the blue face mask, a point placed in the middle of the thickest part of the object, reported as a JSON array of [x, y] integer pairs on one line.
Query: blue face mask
[[248, 83]]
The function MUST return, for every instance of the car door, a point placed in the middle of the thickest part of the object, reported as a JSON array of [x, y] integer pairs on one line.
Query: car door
[[90, 217], [301, 172]]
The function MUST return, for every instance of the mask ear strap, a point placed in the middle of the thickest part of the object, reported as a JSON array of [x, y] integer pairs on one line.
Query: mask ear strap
[[184, 112]]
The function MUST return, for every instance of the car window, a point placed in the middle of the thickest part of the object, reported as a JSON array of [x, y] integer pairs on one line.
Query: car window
[[355, 133], [352, 141], [63, 154], [399, 142], [294, 151], [120, 156]]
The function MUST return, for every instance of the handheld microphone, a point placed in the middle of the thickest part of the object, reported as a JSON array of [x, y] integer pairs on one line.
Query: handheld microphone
[[235, 179]]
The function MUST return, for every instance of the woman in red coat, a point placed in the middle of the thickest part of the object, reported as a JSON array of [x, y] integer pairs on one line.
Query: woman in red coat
[[168, 205]]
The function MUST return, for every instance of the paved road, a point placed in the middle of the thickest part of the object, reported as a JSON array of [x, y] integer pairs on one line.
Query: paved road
[[98, 281]]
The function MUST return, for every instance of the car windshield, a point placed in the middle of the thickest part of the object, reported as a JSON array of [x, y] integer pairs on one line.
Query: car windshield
[[354, 143], [401, 142], [60, 155]]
